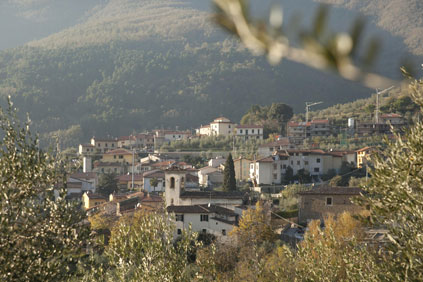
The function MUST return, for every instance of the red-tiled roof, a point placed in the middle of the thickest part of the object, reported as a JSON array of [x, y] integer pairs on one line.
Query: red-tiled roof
[[128, 177], [327, 190], [84, 175], [265, 160], [201, 209]]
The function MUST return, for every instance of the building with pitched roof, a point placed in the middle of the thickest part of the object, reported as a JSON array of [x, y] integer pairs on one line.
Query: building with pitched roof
[[321, 201], [249, 131]]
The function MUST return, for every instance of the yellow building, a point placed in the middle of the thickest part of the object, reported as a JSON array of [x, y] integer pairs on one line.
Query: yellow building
[[118, 155], [90, 200], [242, 169], [222, 127]]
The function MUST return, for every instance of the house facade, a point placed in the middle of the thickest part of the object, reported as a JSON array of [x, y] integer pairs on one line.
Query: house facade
[[222, 126], [247, 132], [324, 200], [242, 169], [104, 145]]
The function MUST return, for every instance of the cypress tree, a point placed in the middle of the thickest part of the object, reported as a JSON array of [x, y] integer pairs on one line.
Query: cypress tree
[[229, 182]]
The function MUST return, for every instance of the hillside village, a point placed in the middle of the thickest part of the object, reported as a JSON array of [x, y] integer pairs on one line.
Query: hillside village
[[146, 178]]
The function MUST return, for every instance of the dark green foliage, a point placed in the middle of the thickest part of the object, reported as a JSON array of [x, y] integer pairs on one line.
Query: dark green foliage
[[107, 184], [395, 196], [282, 113], [303, 176], [273, 117], [229, 182], [289, 175], [42, 238], [196, 161]]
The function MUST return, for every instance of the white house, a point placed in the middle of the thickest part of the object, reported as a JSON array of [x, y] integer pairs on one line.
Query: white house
[[205, 211], [208, 176], [271, 169], [211, 219], [247, 132]]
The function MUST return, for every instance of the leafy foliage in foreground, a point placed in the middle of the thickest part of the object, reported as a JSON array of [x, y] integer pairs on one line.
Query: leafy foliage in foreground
[[395, 197], [42, 238]]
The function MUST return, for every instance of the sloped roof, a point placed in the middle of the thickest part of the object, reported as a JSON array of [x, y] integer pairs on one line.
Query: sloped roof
[[84, 175], [328, 190], [201, 209], [154, 173], [212, 194]]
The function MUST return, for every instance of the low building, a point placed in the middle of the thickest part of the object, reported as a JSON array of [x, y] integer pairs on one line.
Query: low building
[[86, 149], [204, 130], [91, 177], [210, 176], [154, 174], [216, 162], [125, 181], [321, 201], [208, 219], [298, 131], [247, 132], [110, 167], [242, 169], [90, 200], [104, 145], [119, 155], [271, 170]]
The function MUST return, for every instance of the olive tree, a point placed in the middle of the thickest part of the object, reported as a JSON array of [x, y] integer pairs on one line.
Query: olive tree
[[42, 237]]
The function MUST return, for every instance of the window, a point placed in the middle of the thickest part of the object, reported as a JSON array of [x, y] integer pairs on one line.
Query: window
[[298, 162], [317, 160], [246, 131], [252, 131], [316, 169], [172, 182], [113, 144], [229, 126], [275, 166], [329, 201], [179, 231], [204, 230], [105, 145], [224, 232], [182, 182], [120, 156], [240, 131], [284, 166], [204, 217], [179, 217], [305, 162], [115, 169], [275, 176], [114, 156], [292, 162]]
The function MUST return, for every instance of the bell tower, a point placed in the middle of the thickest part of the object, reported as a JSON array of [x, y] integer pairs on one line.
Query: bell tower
[[174, 185]]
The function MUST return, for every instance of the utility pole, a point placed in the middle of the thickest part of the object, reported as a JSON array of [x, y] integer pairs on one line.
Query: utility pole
[[133, 163], [308, 105], [377, 102]]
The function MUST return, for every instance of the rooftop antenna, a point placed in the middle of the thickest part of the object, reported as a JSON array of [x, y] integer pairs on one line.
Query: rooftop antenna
[[308, 105], [377, 102]]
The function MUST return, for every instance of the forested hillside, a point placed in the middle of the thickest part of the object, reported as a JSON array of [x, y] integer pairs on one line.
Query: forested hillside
[[124, 65]]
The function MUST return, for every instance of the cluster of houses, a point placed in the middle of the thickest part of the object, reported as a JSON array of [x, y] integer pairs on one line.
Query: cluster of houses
[[151, 182]]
